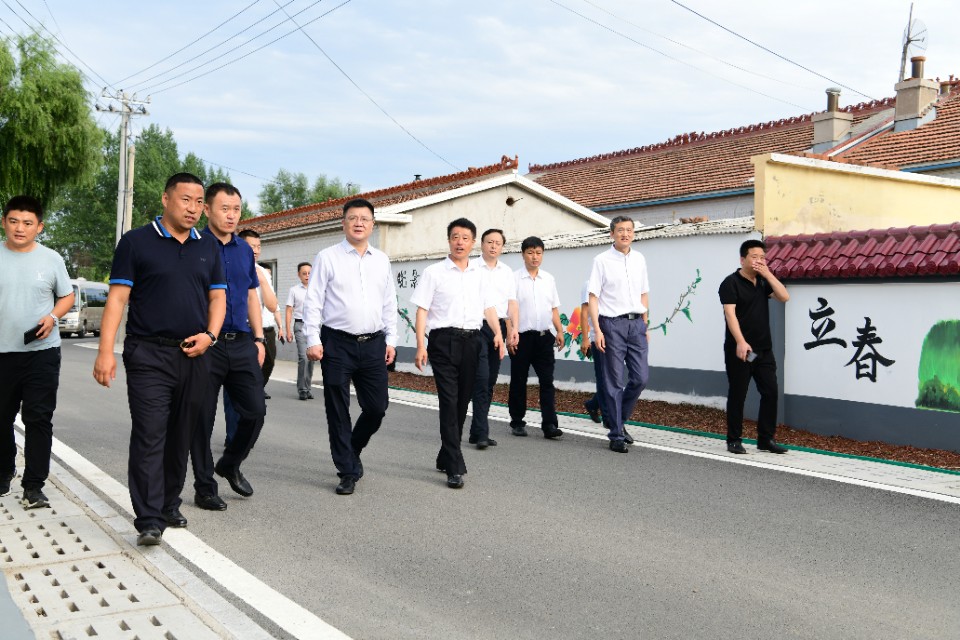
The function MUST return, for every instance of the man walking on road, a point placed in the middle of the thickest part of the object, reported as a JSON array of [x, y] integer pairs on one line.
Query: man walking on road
[[295, 330], [172, 278], [619, 310], [35, 292], [748, 345], [350, 324], [453, 298], [234, 359]]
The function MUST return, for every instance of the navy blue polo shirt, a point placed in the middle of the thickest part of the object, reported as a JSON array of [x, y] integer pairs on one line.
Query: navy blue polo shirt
[[240, 269], [169, 281]]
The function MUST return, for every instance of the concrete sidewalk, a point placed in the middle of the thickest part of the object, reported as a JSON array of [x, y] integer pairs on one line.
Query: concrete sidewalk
[[74, 570]]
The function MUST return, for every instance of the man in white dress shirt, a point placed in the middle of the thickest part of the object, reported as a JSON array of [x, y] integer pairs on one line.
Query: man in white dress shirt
[[350, 324], [501, 281], [453, 298], [539, 312], [619, 310], [295, 331]]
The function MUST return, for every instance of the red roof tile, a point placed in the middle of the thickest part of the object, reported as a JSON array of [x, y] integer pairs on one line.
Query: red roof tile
[[688, 164], [878, 253], [333, 209], [938, 141]]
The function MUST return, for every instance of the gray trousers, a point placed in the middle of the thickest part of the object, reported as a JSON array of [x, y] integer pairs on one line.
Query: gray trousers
[[304, 366]]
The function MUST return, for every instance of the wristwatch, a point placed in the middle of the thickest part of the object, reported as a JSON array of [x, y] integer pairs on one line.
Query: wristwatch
[[56, 320], [261, 340], [213, 338]]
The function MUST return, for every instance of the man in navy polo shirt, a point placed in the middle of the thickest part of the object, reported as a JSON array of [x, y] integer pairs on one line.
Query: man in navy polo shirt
[[235, 359], [172, 278]]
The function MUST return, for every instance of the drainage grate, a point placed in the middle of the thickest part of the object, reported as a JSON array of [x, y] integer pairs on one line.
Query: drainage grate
[[11, 511], [170, 623], [41, 542]]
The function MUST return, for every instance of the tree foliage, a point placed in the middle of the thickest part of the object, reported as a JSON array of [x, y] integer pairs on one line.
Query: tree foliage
[[48, 137], [289, 190]]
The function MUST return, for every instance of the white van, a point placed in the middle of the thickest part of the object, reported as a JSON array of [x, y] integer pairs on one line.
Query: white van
[[85, 316]]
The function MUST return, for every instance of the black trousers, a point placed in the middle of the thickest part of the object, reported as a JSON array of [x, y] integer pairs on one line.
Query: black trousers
[[29, 382], [488, 370], [346, 359], [233, 366], [453, 357], [537, 350], [270, 353], [763, 371], [166, 391]]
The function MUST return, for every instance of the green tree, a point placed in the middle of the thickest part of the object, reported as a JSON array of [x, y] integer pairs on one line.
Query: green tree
[[48, 136], [289, 190]]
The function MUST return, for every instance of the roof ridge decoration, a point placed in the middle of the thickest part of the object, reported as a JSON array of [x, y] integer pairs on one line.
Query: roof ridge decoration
[[684, 139], [506, 163]]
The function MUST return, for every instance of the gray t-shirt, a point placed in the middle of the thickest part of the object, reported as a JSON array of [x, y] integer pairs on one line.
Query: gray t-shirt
[[30, 284]]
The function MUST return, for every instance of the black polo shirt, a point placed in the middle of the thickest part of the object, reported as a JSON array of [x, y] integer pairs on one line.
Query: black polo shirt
[[753, 311], [169, 281]]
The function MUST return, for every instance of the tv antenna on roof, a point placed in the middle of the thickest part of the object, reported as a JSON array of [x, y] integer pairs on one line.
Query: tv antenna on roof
[[914, 39]]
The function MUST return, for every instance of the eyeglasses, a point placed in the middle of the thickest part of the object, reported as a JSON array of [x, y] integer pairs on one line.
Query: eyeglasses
[[363, 221]]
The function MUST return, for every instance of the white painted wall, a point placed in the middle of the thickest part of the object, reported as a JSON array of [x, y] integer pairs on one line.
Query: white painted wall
[[713, 208]]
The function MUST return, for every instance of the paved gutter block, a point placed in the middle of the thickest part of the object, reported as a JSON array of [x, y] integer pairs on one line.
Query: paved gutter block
[[164, 623], [37, 542], [11, 512]]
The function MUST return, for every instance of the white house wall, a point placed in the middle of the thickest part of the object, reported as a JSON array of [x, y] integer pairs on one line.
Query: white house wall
[[712, 208]]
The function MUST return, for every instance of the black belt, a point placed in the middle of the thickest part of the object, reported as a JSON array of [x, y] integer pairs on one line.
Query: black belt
[[454, 331], [230, 336], [535, 332], [357, 337], [164, 342], [296, 320], [265, 329], [625, 316]]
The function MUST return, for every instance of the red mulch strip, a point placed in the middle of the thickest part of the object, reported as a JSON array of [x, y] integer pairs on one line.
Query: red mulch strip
[[698, 418]]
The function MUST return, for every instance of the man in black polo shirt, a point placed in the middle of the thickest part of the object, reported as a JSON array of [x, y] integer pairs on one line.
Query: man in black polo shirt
[[748, 348], [172, 278], [235, 359]]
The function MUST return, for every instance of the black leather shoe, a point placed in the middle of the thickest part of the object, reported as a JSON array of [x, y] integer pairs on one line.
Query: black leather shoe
[[309, 396], [174, 518], [771, 447], [520, 431], [149, 537], [441, 469], [210, 503], [619, 446], [491, 442], [303, 396], [552, 434], [482, 444], [346, 486], [455, 481], [237, 482], [735, 447], [627, 437], [594, 413]]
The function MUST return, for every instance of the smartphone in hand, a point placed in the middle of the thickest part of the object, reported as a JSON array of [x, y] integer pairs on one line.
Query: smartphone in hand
[[30, 334]]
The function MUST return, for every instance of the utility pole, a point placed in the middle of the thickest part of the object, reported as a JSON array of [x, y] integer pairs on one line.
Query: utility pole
[[129, 106]]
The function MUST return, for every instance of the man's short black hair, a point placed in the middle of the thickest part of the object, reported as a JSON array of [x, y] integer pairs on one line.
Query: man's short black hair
[[221, 187], [248, 233], [751, 244], [357, 203], [619, 219], [533, 242], [489, 231], [24, 203], [463, 223], [302, 265], [178, 178]]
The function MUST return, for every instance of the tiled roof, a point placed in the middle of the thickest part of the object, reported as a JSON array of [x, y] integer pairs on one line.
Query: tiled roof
[[938, 141], [333, 209], [695, 163], [878, 253]]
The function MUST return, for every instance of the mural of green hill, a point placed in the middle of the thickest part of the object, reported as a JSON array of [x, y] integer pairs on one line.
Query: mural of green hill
[[939, 371]]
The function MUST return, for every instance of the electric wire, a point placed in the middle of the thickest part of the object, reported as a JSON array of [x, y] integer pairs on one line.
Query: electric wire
[[677, 60], [367, 95], [187, 46], [756, 44]]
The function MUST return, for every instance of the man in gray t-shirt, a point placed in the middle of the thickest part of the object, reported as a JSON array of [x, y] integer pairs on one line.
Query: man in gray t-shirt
[[35, 292]]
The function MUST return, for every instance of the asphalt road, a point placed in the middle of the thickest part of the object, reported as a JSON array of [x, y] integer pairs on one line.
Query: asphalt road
[[554, 539]]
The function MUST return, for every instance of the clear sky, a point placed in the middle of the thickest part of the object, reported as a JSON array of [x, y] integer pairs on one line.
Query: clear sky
[[468, 82]]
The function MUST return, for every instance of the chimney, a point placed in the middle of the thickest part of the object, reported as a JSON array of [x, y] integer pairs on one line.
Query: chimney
[[915, 96], [832, 126]]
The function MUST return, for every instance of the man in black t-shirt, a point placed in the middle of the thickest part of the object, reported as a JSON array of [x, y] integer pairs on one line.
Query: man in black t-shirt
[[748, 347]]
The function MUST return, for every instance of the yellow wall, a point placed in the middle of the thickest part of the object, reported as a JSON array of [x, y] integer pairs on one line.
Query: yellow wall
[[804, 196]]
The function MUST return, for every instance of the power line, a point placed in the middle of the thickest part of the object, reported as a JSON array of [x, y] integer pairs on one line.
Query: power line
[[365, 94], [677, 60], [686, 46], [223, 166], [53, 17], [756, 44], [216, 46], [195, 41]]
